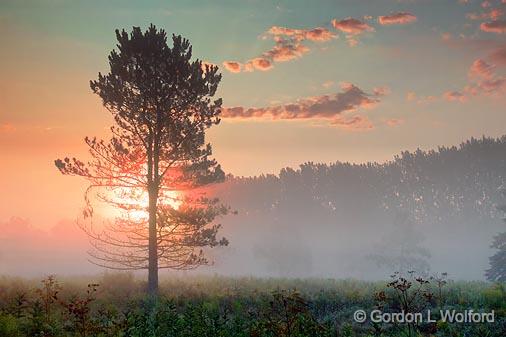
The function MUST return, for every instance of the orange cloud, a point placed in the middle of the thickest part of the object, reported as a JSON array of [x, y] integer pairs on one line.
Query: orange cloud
[[498, 27], [319, 107], [232, 66], [352, 26], [399, 18]]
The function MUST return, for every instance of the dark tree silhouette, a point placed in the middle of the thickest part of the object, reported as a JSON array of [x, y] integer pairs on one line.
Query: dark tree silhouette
[[497, 270], [161, 102]]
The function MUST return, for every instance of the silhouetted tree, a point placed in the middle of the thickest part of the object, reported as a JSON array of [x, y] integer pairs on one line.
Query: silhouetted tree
[[161, 102], [497, 270]]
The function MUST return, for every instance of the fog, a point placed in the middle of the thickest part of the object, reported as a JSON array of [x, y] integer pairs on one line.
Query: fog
[[430, 211]]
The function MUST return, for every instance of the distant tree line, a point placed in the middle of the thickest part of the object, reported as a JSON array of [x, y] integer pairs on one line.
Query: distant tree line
[[451, 186]]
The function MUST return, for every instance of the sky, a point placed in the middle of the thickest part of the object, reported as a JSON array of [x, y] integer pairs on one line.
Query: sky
[[320, 81]]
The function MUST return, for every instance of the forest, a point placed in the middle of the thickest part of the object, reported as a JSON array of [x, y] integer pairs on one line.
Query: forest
[[422, 210]]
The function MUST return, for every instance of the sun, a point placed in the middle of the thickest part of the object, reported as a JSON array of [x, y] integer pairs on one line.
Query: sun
[[132, 204]]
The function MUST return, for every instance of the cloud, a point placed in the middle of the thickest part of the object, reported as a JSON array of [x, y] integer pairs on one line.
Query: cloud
[[480, 68], [381, 91], [329, 107], [487, 86], [454, 96], [413, 97], [352, 123], [498, 27], [286, 50], [399, 18], [352, 26], [318, 34], [288, 46], [493, 14], [258, 63], [484, 80], [232, 66]]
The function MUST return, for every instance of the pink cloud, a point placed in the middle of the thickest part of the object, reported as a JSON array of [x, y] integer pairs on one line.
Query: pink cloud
[[318, 34], [487, 86], [482, 81], [232, 66], [328, 107], [355, 123], [454, 96], [399, 18], [352, 26], [259, 63], [486, 81], [498, 27], [286, 50], [480, 68], [288, 46], [381, 91], [493, 14]]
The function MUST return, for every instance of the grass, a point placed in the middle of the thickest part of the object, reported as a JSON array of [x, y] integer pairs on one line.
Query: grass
[[116, 305]]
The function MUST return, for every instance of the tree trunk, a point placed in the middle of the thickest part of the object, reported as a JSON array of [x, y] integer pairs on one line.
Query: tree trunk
[[153, 244]]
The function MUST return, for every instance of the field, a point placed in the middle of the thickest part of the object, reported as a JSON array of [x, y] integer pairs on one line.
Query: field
[[116, 305]]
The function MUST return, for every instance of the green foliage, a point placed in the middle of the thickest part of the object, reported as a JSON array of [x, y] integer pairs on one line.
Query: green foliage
[[9, 326], [247, 307]]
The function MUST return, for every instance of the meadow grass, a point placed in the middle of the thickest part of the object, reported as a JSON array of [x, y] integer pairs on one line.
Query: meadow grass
[[116, 304]]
